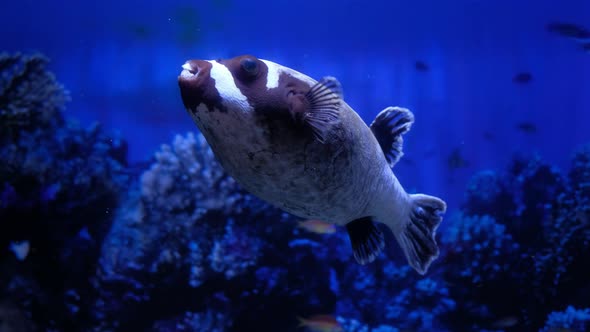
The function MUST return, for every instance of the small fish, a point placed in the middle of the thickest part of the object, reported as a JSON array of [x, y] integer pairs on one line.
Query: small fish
[[84, 234], [134, 30], [488, 136], [50, 193], [569, 30], [320, 323], [522, 78], [188, 21], [527, 127], [586, 47], [12, 318], [141, 31], [505, 322], [421, 66], [456, 160], [318, 226], [20, 249], [430, 153]]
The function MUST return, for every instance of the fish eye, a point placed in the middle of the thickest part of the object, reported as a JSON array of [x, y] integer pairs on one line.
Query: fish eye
[[250, 66]]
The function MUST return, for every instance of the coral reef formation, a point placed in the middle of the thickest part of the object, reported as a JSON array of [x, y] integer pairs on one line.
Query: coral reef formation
[[92, 244], [59, 184], [571, 319], [30, 97]]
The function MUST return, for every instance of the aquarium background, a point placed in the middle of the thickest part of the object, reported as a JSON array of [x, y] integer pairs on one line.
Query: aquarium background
[[115, 215]]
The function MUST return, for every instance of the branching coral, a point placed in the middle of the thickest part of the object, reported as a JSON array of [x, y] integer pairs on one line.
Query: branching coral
[[566, 235], [549, 221], [478, 247], [488, 194], [517, 198], [176, 228], [390, 294], [30, 97], [353, 325], [177, 215], [186, 235], [571, 319], [70, 165], [235, 252], [59, 184], [579, 179], [195, 321], [421, 307], [187, 178], [481, 263], [535, 184]]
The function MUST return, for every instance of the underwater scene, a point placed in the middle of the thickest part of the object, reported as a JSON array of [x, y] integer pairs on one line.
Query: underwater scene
[[296, 166]]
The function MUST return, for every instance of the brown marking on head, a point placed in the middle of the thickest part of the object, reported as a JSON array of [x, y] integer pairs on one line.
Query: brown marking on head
[[197, 86], [250, 76], [277, 105]]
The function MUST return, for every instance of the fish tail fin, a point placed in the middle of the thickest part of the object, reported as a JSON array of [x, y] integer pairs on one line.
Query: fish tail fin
[[302, 322], [417, 235]]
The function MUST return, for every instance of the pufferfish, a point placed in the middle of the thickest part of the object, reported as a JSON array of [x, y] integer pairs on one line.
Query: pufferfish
[[293, 142]]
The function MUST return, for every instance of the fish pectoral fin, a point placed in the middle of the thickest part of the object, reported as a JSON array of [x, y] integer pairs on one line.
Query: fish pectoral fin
[[388, 127], [324, 102], [366, 239]]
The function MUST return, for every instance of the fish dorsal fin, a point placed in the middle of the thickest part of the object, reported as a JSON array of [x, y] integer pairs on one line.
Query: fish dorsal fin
[[324, 101], [388, 127]]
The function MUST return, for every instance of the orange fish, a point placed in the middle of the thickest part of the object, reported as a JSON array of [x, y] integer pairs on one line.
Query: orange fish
[[318, 226], [320, 323]]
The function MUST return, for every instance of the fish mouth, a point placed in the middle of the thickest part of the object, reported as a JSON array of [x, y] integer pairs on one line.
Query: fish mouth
[[188, 71], [194, 81], [193, 70]]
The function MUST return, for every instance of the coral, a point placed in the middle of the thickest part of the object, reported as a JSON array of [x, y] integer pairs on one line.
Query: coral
[[536, 249], [517, 198], [30, 96], [534, 184], [480, 256], [390, 294], [571, 319], [58, 165], [188, 166], [479, 247], [566, 235], [188, 235], [180, 201], [58, 186], [235, 252], [488, 194], [182, 227], [179, 246], [579, 179], [195, 321], [420, 308], [353, 325]]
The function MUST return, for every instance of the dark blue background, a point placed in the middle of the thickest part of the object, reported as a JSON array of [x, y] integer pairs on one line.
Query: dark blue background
[[120, 60]]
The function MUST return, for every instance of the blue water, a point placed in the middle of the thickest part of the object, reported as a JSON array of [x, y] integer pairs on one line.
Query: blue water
[[120, 61]]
